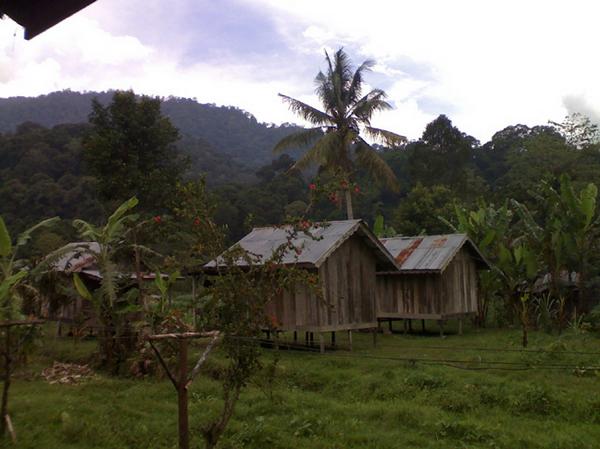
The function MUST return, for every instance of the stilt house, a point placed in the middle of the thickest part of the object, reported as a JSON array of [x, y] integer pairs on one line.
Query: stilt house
[[437, 279], [346, 255]]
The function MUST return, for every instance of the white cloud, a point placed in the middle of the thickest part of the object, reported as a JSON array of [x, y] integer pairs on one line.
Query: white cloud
[[486, 65]]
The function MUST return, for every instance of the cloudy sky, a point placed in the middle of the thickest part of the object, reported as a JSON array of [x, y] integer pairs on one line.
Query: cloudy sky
[[486, 65]]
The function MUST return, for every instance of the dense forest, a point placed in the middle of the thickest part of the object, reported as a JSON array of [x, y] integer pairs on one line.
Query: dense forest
[[42, 172]]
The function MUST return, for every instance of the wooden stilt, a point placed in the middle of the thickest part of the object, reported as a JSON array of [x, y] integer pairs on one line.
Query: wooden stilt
[[410, 325], [321, 343], [312, 338], [390, 326], [306, 340], [182, 396], [295, 336], [350, 340], [423, 326], [441, 324], [405, 324], [333, 339]]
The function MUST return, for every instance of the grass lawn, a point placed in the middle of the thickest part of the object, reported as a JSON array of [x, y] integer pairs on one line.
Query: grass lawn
[[370, 398]]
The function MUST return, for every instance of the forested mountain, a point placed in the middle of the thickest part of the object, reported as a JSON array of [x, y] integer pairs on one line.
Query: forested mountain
[[221, 130], [43, 170]]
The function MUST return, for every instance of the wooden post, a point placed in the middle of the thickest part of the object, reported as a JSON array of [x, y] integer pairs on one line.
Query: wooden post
[[460, 326], [7, 371], [182, 396], [333, 339], [194, 299], [321, 343], [423, 326], [410, 325], [312, 338], [405, 324], [441, 324], [390, 326], [306, 340], [182, 380], [295, 336], [350, 340]]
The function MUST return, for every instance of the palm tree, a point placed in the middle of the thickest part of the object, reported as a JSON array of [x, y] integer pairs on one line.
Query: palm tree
[[335, 140]]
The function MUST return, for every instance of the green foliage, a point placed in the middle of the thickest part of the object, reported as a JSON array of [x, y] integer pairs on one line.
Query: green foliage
[[381, 230], [240, 295], [420, 211], [13, 269], [529, 409], [443, 156], [130, 149], [111, 305]]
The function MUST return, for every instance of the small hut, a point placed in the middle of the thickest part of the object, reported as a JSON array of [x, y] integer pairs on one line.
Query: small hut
[[437, 279], [346, 255]]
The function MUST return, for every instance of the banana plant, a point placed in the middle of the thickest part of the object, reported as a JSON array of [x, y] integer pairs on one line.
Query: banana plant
[[381, 230], [13, 274], [519, 268], [489, 227], [14, 271], [582, 226], [163, 285], [111, 308]]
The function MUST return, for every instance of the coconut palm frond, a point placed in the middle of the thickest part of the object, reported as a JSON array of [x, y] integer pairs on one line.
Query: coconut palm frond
[[319, 153], [310, 114], [388, 138], [324, 90], [368, 159], [355, 89], [299, 139], [369, 104]]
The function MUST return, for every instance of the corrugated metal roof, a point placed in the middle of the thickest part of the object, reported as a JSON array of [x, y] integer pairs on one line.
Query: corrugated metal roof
[[428, 253], [80, 257], [328, 236]]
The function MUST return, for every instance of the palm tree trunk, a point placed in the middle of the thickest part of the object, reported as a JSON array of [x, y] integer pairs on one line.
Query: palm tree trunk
[[349, 211]]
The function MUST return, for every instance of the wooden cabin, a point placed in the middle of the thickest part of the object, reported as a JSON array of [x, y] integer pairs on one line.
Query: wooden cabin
[[346, 255], [437, 279]]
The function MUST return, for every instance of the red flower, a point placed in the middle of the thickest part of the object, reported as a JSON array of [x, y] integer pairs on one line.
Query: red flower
[[356, 189], [196, 221], [344, 184], [305, 224], [312, 186], [157, 219]]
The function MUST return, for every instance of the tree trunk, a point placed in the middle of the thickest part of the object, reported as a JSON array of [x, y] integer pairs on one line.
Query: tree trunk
[[349, 211]]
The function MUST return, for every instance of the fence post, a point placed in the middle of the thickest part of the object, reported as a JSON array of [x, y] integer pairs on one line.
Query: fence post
[[182, 396]]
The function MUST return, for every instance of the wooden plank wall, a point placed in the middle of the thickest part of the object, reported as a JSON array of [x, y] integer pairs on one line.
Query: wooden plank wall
[[430, 295], [349, 286]]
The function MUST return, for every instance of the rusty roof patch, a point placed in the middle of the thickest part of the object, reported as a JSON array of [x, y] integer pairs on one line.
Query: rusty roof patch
[[406, 252], [430, 253]]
